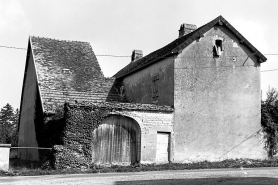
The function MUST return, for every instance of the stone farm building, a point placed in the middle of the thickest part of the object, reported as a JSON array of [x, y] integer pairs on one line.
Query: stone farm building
[[197, 98]]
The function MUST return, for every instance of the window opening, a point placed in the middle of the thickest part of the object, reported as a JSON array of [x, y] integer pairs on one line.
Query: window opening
[[218, 48]]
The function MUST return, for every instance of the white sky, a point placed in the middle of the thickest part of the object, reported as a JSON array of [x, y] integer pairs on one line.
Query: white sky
[[118, 27]]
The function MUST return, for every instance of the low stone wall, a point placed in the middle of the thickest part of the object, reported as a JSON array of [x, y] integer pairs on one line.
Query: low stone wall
[[4, 156]]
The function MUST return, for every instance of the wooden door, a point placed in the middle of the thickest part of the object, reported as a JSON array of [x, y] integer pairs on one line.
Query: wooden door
[[115, 141], [162, 147]]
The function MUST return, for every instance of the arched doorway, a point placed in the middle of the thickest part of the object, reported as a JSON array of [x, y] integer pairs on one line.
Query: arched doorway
[[116, 141]]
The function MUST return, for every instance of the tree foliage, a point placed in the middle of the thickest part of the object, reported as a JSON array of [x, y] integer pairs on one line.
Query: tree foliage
[[269, 121], [9, 125]]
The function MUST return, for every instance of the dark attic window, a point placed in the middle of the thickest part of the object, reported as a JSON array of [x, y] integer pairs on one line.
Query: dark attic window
[[217, 48]]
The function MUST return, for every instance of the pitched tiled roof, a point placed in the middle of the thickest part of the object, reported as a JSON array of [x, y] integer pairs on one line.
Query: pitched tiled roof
[[69, 71], [62, 63], [181, 43]]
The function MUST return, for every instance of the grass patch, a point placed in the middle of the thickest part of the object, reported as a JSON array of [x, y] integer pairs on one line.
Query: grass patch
[[31, 168]]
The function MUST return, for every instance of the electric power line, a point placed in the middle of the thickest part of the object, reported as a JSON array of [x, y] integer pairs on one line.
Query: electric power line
[[110, 55], [269, 70], [183, 57], [123, 56], [11, 47]]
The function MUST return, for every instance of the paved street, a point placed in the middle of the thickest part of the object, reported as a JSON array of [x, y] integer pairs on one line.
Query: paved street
[[192, 177]]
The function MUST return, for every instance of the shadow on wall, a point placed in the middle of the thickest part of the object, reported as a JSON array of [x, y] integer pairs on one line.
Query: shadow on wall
[[117, 93], [201, 181]]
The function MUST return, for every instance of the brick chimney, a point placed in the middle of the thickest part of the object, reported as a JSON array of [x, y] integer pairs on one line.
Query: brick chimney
[[186, 28], [136, 55]]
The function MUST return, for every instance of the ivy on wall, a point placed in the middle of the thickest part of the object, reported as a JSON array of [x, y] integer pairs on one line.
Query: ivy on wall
[[49, 128], [75, 148]]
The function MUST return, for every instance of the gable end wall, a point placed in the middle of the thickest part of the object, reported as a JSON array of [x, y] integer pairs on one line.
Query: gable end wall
[[27, 135], [217, 101]]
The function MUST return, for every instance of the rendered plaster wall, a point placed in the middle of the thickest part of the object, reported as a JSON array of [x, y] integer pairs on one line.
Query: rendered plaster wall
[[27, 135], [150, 124], [139, 86], [4, 156], [217, 101]]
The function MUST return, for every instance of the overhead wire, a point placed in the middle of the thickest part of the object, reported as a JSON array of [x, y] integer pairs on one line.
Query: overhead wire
[[11, 47], [110, 55], [125, 56], [269, 70]]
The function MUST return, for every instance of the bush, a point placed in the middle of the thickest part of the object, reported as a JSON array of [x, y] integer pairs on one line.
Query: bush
[[269, 121]]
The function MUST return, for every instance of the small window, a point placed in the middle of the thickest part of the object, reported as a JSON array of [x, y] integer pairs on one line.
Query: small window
[[65, 71], [217, 48]]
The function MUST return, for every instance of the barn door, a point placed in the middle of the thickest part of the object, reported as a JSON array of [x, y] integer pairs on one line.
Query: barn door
[[115, 141], [162, 147]]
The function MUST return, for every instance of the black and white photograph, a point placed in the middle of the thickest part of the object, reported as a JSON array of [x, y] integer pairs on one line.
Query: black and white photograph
[[133, 92]]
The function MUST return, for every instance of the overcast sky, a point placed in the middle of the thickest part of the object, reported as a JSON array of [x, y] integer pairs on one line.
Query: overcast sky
[[117, 27]]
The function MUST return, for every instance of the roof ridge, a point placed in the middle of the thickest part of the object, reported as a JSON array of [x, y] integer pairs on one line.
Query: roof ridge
[[48, 38]]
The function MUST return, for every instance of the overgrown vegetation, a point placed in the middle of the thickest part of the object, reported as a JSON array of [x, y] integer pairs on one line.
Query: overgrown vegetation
[[269, 121], [75, 148], [9, 125], [49, 129]]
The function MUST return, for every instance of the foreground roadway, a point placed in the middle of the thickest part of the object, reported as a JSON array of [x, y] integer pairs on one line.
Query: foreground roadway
[[193, 177]]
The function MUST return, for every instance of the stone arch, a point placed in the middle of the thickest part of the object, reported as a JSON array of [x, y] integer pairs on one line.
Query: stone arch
[[116, 141]]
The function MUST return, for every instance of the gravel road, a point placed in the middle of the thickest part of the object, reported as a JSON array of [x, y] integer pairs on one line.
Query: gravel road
[[192, 177]]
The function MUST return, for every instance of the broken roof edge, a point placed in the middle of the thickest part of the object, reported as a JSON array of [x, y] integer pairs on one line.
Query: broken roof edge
[[114, 106], [124, 106]]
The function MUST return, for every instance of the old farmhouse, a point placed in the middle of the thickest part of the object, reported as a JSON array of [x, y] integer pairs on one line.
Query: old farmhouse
[[197, 98]]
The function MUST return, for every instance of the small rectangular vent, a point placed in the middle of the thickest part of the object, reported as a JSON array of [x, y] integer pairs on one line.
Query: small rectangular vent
[[65, 71]]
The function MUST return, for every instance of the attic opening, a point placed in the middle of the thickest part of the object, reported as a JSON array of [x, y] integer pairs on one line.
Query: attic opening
[[217, 48]]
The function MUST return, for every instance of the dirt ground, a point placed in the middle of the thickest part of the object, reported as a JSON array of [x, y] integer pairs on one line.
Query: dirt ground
[[192, 177]]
